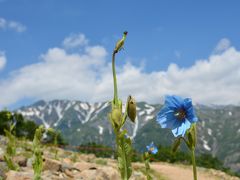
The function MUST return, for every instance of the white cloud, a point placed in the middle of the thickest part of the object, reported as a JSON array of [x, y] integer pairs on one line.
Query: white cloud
[[75, 40], [3, 60], [16, 26], [222, 45], [87, 76], [2, 23], [13, 25]]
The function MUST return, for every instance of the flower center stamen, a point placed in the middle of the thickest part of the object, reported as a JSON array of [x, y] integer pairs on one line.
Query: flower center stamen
[[180, 114], [151, 149]]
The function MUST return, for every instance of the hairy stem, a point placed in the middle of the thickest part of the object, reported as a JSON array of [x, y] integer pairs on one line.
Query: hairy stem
[[121, 144]]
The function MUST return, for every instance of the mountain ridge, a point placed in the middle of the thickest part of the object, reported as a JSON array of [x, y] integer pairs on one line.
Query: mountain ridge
[[82, 122]]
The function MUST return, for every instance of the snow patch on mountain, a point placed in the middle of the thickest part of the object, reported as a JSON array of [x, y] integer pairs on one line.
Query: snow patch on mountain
[[49, 109], [68, 106], [100, 130], [209, 131], [147, 118], [85, 106], [206, 146], [89, 114], [135, 128], [59, 114], [103, 106], [43, 121], [77, 107], [141, 113], [149, 109]]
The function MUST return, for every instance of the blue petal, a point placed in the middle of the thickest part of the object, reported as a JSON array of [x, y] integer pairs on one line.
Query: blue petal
[[167, 119], [155, 151], [187, 103], [174, 102], [187, 125], [182, 129], [192, 118], [191, 115], [149, 146]]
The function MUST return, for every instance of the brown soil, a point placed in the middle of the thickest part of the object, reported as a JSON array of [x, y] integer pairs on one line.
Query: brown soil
[[181, 172]]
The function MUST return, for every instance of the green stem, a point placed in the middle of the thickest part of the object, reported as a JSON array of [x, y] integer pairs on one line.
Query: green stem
[[194, 164], [147, 166], [114, 79]]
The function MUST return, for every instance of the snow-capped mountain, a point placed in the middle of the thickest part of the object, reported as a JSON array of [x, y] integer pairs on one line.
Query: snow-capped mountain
[[81, 122]]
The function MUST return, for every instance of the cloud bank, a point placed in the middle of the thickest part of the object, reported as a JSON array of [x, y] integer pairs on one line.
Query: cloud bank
[[12, 25], [87, 76]]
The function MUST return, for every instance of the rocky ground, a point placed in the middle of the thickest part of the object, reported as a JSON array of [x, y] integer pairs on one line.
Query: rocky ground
[[71, 165]]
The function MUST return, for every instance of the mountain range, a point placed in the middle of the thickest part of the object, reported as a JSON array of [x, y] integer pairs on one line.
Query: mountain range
[[218, 128]]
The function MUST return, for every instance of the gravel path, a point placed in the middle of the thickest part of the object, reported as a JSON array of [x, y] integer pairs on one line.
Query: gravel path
[[181, 172]]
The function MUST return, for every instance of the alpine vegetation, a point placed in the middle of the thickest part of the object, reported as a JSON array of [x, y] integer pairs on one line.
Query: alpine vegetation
[[37, 153], [151, 149], [11, 147], [55, 141], [117, 120], [178, 115]]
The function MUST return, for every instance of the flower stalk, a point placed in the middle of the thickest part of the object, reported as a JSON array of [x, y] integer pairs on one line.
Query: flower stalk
[[194, 164], [152, 149], [146, 158], [115, 100], [117, 120], [191, 144]]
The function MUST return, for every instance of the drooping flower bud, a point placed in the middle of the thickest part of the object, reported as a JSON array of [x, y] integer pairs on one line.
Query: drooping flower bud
[[131, 110]]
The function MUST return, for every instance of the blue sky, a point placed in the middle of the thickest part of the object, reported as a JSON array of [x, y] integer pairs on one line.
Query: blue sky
[[160, 33]]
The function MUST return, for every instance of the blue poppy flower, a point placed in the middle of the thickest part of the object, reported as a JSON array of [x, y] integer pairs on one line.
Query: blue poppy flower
[[152, 148], [177, 114]]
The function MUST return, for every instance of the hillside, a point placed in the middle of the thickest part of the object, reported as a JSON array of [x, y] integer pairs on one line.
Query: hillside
[[71, 165], [80, 122]]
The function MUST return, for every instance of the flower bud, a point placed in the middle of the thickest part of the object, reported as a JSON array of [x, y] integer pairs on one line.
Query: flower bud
[[176, 144], [191, 134], [116, 117], [131, 109]]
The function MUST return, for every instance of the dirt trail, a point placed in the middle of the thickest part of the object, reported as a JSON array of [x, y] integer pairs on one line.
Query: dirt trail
[[180, 172]]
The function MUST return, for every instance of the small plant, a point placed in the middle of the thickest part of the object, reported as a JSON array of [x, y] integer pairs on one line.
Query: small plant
[[101, 161], [55, 141], [11, 148], [117, 119], [178, 114], [152, 149], [74, 157], [37, 153]]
